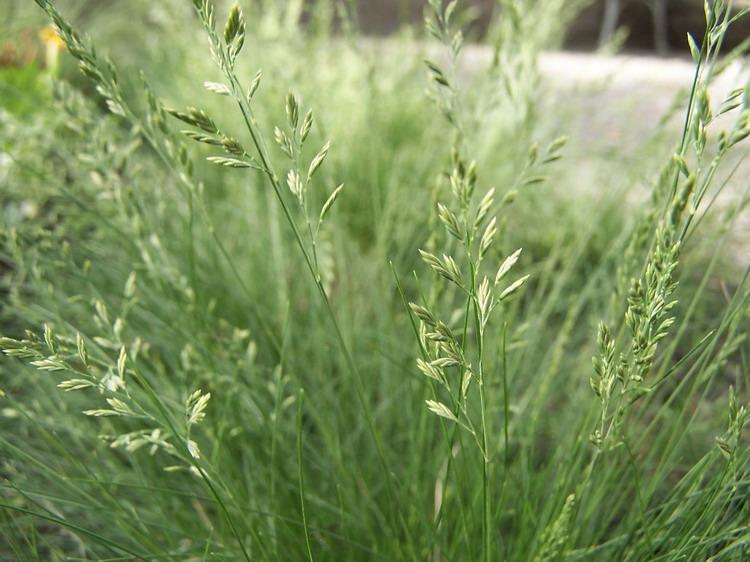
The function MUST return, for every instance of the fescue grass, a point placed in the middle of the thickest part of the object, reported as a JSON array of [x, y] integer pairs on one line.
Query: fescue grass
[[346, 308]]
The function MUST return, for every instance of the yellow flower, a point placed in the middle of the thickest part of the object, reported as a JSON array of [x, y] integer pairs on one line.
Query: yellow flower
[[52, 43], [50, 37]]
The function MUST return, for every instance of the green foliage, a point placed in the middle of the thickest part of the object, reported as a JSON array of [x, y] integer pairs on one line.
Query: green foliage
[[22, 89], [211, 352]]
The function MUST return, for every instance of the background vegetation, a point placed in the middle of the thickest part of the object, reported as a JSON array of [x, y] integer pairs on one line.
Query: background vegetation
[[138, 277]]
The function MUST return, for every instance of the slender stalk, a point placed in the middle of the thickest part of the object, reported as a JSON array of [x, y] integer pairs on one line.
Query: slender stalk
[[300, 472], [257, 140], [506, 407], [484, 429]]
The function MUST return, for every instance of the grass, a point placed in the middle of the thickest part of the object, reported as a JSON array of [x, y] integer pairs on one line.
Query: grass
[[214, 351]]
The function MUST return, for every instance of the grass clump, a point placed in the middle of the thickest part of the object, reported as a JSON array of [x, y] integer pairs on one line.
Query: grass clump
[[270, 308]]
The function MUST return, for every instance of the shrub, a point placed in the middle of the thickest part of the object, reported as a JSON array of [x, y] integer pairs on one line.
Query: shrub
[[244, 323]]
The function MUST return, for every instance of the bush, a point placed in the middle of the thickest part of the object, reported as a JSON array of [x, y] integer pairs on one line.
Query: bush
[[214, 351]]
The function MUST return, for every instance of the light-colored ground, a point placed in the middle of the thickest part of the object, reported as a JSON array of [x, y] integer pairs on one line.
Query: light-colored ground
[[621, 97], [622, 112], [625, 96], [619, 111], [617, 103]]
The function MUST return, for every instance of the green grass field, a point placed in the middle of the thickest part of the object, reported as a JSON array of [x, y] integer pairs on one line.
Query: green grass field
[[274, 291]]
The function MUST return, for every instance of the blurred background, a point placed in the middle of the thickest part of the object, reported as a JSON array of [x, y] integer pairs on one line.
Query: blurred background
[[634, 25], [71, 169], [642, 25]]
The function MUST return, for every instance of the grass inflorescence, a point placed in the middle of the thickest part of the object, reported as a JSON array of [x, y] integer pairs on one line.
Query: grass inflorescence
[[286, 294]]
